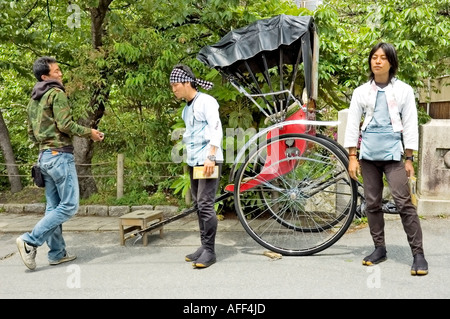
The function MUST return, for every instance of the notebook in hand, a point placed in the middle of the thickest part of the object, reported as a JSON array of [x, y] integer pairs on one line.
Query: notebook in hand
[[198, 172]]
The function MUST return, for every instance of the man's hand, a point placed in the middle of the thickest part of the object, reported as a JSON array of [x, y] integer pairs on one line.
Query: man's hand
[[353, 168], [409, 168], [409, 163], [97, 135], [208, 167]]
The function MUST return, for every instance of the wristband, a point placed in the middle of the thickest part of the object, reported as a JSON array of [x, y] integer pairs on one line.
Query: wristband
[[351, 154]]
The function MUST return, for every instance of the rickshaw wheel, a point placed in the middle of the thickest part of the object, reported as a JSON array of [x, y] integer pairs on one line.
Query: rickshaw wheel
[[293, 194]]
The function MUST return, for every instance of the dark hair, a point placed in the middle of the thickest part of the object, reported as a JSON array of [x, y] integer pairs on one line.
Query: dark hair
[[42, 67], [188, 71], [391, 55]]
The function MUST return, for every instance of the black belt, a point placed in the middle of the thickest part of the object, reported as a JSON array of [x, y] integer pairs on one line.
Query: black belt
[[64, 149]]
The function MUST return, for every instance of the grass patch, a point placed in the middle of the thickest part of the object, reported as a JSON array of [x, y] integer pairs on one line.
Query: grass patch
[[28, 195], [34, 194], [360, 221]]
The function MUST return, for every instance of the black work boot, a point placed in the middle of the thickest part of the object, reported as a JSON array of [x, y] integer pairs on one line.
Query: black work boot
[[419, 266], [206, 259], [194, 256], [378, 255]]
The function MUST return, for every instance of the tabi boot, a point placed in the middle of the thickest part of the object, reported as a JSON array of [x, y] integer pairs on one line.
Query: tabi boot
[[206, 259], [378, 255], [194, 256], [419, 266]]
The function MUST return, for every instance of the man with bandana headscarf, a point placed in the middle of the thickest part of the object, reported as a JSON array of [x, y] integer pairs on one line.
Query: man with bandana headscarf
[[203, 141]]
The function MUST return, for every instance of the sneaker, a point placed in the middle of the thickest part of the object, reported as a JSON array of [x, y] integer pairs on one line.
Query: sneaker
[[205, 260], [378, 255], [194, 256], [65, 259], [27, 252], [419, 266]]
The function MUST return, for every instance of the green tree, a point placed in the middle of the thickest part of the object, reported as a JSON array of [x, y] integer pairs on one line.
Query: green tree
[[116, 56], [348, 29]]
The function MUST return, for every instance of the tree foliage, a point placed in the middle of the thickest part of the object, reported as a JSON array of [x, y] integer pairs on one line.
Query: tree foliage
[[418, 29], [140, 42]]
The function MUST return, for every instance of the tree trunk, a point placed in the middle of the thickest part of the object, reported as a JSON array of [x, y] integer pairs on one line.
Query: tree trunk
[[84, 148], [8, 154], [97, 18]]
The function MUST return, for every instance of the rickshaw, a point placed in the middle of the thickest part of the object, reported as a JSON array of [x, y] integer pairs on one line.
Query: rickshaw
[[291, 187]]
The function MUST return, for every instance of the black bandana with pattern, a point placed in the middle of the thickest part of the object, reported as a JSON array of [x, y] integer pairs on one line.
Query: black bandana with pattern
[[180, 76]]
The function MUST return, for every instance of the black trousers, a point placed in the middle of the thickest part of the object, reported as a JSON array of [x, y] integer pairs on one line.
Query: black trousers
[[372, 172], [203, 195]]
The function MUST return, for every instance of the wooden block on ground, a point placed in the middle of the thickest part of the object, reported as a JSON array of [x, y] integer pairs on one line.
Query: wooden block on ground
[[138, 220]]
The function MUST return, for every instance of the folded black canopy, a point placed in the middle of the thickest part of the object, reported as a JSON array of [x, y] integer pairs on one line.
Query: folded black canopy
[[262, 35], [266, 43]]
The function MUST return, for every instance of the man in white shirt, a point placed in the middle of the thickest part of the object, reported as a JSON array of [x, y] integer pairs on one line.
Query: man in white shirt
[[203, 141], [389, 132]]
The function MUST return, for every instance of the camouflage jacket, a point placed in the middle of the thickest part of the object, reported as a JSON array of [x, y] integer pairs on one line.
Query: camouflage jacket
[[50, 122]]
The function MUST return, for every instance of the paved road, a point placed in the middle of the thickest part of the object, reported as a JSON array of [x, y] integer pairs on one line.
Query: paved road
[[106, 270]]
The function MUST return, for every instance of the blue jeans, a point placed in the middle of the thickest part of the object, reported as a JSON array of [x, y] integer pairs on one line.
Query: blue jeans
[[62, 196]]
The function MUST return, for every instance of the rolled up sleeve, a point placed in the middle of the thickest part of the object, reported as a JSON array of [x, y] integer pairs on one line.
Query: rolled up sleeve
[[353, 120], [214, 130]]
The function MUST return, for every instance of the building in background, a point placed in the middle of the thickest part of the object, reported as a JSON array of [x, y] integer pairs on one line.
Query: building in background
[[436, 104]]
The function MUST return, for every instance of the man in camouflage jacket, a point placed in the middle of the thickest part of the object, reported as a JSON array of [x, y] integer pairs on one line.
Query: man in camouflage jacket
[[51, 127]]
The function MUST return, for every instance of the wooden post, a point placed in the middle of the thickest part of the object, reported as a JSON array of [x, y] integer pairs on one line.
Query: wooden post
[[120, 160]]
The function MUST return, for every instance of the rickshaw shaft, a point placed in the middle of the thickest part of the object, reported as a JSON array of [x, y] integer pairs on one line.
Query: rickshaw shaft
[[176, 217]]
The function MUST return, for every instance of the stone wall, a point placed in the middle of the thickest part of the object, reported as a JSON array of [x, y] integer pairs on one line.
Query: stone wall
[[433, 176]]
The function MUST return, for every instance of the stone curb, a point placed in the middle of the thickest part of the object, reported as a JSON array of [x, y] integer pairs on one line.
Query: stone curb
[[89, 210]]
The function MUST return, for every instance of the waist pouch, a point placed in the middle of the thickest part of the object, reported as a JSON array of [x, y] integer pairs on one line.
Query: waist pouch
[[36, 174]]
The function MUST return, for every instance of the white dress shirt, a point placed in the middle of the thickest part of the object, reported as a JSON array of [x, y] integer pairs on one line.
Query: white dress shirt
[[203, 129]]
